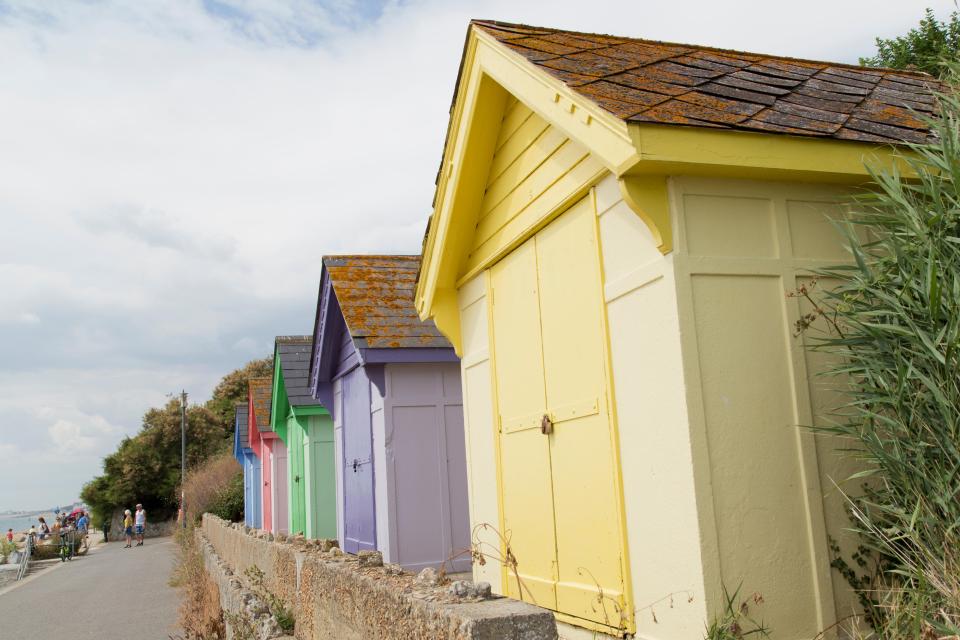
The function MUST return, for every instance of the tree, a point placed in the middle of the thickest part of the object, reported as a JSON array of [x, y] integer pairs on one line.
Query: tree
[[924, 48], [145, 468], [233, 388]]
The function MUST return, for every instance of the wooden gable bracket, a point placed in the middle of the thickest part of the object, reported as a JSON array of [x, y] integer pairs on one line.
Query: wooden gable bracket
[[646, 195]]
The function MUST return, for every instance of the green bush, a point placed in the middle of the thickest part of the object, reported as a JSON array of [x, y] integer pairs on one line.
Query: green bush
[[6, 548], [894, 323], [228, 504]]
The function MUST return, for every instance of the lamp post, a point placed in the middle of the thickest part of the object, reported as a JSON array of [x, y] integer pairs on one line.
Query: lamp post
[[183, 457]]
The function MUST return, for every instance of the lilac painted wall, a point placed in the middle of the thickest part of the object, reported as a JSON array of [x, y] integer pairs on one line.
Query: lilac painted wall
[[425, 463], [337, 415], [398, 441], [359, 508]]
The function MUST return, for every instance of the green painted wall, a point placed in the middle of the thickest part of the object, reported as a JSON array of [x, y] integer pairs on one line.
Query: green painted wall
[[321, 493], [297, 494], [308, 434]]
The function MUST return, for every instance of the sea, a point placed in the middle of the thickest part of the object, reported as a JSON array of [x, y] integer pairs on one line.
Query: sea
[[19, 523]]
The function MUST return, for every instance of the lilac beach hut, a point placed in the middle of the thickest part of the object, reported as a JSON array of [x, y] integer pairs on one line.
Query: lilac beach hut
[[392, 385]]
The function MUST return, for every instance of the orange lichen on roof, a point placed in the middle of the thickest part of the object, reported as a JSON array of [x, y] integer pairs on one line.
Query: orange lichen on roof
[[375, 294], [662, 83], [261, 391]]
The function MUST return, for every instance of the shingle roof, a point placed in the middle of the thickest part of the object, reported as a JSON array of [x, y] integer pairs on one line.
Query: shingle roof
[[294, 353], [648, 81], [242, 424], [375, 294], [261, 390]]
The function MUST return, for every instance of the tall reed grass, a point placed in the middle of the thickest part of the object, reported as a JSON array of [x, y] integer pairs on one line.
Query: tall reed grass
[[894, 323]]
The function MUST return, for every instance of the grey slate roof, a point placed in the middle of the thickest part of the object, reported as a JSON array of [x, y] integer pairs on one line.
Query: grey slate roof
[[294, 353], [242, 424]]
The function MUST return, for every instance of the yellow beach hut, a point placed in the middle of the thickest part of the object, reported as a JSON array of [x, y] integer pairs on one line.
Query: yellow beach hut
[[615, 227]]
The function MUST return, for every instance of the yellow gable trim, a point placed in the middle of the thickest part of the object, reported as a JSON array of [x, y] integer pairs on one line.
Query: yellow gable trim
[[489, 72], [606, 135]]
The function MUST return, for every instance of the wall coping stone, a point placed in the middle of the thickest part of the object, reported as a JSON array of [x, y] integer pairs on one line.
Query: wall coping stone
[[332, 596]]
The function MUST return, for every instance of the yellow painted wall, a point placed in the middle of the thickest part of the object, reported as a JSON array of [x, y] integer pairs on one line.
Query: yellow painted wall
[[478, 423], [535, 169], [660, 503], [709, 385], [761, 478], [720, 484]]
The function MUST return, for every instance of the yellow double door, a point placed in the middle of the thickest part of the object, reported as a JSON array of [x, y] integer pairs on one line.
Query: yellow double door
[[560, 496]]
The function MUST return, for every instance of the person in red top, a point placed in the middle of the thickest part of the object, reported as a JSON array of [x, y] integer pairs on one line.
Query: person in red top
[[9, 535]]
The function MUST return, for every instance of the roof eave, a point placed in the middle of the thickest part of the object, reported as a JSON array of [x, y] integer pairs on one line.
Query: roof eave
[[676, 149]]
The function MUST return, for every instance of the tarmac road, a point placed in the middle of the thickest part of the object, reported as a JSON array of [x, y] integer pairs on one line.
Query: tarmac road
[[111, 594]]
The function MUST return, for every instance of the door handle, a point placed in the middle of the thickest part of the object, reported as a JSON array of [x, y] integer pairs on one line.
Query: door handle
[[296, 478], [356, 463], [546, 425]]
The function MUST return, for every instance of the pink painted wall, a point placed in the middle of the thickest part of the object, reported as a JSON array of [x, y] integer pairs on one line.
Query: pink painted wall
[[266, 450], [259, 447]]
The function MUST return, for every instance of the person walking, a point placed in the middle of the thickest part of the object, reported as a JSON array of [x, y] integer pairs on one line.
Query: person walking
[[44, 528], [128, 528], [9, 535], [141, 522], [83, 523]]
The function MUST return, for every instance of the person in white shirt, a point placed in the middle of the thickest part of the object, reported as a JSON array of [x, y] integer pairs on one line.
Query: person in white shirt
[[140, 521]]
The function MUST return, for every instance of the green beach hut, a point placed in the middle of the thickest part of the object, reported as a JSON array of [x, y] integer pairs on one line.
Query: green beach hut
[[306, 428]]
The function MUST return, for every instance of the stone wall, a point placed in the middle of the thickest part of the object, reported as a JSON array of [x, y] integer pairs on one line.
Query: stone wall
[[241, 605], [154, 529], [333, 595]]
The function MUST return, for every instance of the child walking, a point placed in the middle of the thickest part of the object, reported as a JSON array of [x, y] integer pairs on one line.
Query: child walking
[[128, 528]]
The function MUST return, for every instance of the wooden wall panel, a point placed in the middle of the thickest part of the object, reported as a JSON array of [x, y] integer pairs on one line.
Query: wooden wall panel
[[534, 173], [478, 404], [764, 477]]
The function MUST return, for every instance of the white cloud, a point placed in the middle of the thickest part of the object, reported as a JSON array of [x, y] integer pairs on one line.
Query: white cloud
[[68, 437], [172, 175], [252, 346]]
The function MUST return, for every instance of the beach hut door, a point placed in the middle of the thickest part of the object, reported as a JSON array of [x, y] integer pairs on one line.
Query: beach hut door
[[560, 497], [280, 481], [359, 515]]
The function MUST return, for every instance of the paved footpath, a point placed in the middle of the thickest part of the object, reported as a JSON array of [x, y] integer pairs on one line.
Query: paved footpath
[[111, 594]]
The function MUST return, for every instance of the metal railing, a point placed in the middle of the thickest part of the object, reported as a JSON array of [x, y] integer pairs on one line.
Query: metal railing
[[25, 558]]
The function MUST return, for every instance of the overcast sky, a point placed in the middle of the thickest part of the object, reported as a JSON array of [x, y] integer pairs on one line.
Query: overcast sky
[[171, 173]]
